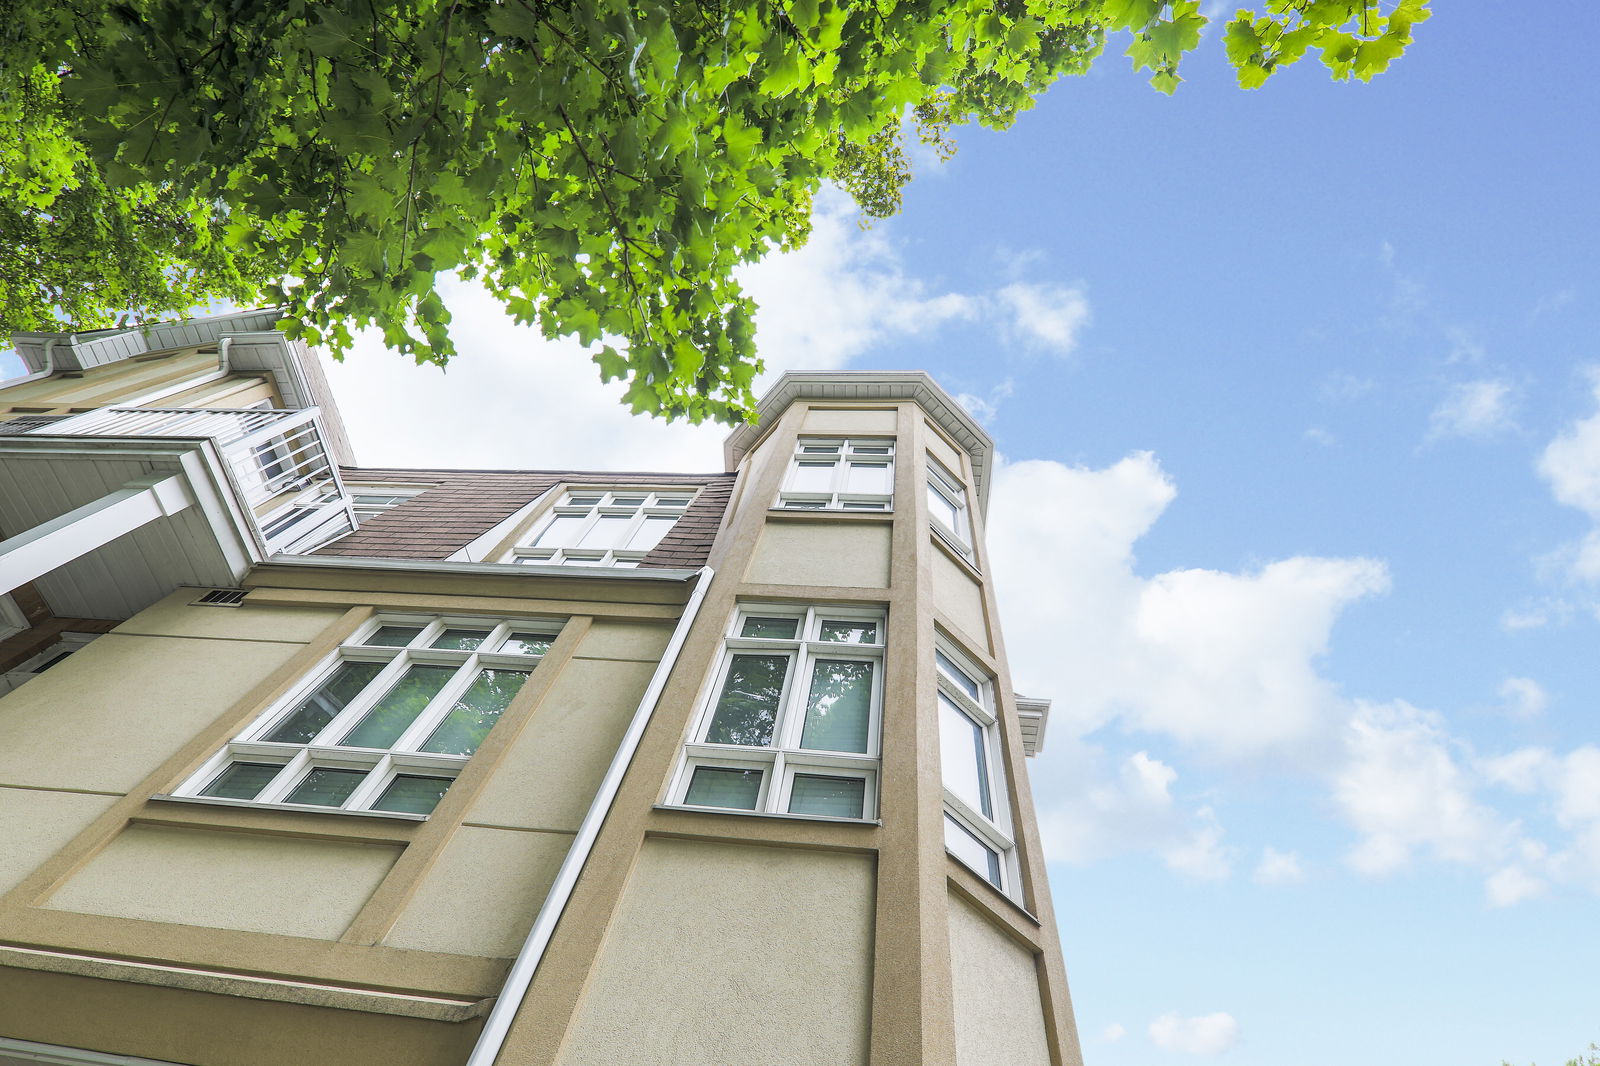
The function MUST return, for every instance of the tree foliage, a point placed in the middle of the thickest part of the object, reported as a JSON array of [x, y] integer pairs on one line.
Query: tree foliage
[[601, 166]]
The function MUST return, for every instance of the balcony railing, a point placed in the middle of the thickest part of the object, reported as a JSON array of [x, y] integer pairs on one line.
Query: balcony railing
[[277, 458]]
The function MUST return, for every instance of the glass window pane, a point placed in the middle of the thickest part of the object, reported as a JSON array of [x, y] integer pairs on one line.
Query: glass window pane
[[748, 705], [607, 532], [849, 632], [398, 708], [527, 644], [840, 797], [943, 510], [476, 712], [770, 628], [410, 794], [839, 707], [461, 639], [649, 534], [713, 786], [562, 532], [803, 505], [959, 676], [326, 787], [816, 447], [870, 449], [320, 708], [242, 781], [812, 477], [972, 851], [393, 636], [869, 478], [672, 501], [966, 772], [627, 501]]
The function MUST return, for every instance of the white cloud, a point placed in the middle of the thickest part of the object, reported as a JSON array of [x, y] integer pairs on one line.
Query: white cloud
[[1475, 409], [1570, 465], [1512, 885], [1278, 868], [1524, 697], [1319, 435], [1403, 789], [984, 409], [1046, 315], [1222, 661], [1114, 1032], [1209, 1034]]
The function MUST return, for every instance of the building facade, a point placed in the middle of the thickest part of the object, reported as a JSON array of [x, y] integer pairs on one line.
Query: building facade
[[304, 762]]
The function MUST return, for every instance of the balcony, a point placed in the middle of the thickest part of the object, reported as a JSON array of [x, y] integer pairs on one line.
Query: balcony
[[111, 509]]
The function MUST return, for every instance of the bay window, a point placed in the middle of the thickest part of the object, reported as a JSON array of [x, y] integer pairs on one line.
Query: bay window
[[832, 474], [977, 817]]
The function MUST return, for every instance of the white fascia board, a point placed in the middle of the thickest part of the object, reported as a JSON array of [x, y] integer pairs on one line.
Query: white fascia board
[[445, 566], [868, 386]]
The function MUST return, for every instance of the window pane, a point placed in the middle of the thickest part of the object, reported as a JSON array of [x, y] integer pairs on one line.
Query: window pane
[[841, 797], [870, 449], [863, 505], [966, 772], [748, 705], [319, 708], [398, 708], [241, 781], [627, 501], [476, 712], [325, 787], [943, 510], [868, 478], [409, 794], [527, 644], [649, 534], [959, 676], [812, 477], [607, 532], [393, 636], [839, 707], [713, 786], [562, 532], [582, 501], [849, 632], [672, 501], [972, 851], [770, 628], [803, 505], [461, 639], [820, 447]]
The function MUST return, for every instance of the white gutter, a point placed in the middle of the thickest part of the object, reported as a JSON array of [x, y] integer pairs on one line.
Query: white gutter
[[37, 375], [526, 964], [162, 393]]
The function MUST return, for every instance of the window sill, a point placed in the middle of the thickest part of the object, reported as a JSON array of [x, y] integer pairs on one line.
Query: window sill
[[823, 513], [779, 815], [963, 559], [287, 808], [966, 880]]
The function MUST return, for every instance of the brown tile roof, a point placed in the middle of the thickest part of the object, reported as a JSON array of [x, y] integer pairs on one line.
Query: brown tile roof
[[461, 505]]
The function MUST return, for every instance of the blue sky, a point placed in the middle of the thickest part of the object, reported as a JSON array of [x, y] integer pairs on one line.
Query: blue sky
[[1296, 395]]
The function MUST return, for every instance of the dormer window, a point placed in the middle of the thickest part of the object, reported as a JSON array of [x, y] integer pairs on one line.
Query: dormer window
[[603, 527]]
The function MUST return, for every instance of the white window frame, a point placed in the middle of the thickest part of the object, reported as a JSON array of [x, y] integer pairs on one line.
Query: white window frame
[[993, 832], [528, 549], [395, 494], [784, 759], [841, 453], [948, 487], [382, 765]]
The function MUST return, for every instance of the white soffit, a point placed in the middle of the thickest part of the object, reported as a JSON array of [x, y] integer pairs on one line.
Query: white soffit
[[868, 386]]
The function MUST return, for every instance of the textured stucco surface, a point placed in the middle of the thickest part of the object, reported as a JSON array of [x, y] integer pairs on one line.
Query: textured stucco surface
[[177, 616], [959, 597], [824, 420], [36, 824], [944, 453], [732, 954], [109, 716], [999, 1017], [550, 773], [265, 884], [480, 896], [815, 552], [625, 640]]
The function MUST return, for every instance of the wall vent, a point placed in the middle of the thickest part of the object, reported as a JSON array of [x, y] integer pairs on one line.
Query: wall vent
[[220, 598]]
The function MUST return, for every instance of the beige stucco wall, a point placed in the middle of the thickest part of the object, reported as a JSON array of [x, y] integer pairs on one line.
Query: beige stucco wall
[[267, 884], [550, 773], [480, 896], [999, 1017], [35, 823], [813, 551], [944, 452], [625, 640], [837, 421], [732, 954], [959, 597]]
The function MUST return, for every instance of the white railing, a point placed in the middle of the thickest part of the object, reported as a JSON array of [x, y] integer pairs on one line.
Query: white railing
[[278, 459]]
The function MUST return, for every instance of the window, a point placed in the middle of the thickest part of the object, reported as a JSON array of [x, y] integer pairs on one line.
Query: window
[[386, 723], [372, 500], [947, 503], [604, 528], [840, 475], [977, 815], [792, 718]]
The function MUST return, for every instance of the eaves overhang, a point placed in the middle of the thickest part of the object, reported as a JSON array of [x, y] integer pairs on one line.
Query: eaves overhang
[[868, 386]]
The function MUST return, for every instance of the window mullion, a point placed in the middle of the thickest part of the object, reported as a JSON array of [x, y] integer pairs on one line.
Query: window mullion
[[366, 792], [777, 787], [358, 706], [433, 713], [292, 771]]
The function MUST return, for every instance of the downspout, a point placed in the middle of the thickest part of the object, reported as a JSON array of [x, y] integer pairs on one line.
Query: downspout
[[527, 961], [218, 374]]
